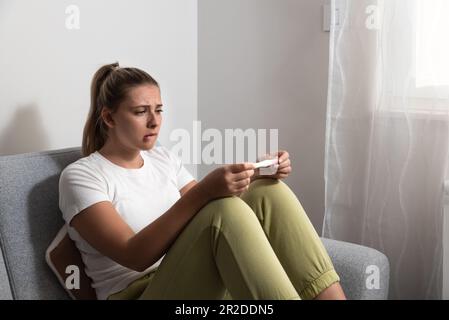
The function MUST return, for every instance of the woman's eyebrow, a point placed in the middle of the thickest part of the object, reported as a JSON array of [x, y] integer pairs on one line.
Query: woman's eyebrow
[[145, 105]]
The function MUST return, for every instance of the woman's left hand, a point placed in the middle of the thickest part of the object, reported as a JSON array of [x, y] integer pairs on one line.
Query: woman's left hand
[[284, 168]]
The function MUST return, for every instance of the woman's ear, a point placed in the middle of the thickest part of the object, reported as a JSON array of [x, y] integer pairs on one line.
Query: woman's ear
[[106, 116]]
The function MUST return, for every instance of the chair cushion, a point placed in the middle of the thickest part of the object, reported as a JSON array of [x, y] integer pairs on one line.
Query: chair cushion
[[30, 218], [354, 264], [65, 261], [5, 290]]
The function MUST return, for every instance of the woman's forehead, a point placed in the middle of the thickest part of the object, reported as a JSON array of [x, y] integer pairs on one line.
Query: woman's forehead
[[144, 95]]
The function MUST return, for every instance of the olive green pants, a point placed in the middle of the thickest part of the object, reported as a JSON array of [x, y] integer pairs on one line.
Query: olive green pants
[[259, 246]]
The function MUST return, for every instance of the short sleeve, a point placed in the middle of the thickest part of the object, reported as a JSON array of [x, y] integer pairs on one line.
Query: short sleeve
[[79, 188], [183, 176]]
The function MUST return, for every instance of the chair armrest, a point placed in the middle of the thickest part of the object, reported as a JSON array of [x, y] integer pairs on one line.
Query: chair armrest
[[358, 266]]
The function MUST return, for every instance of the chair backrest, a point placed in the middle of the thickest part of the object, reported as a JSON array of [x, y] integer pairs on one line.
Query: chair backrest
[[5, 290], [30, 218]]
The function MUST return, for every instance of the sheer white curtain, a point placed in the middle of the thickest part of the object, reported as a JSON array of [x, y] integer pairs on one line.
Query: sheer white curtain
[[387, 135]]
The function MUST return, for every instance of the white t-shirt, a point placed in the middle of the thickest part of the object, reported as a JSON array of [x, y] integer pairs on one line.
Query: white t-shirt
[[140, 196]]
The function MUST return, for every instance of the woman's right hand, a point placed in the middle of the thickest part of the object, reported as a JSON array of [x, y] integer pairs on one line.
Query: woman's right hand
[[228, 180]]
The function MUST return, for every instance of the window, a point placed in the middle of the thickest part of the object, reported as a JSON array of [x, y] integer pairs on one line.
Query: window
[[432, 43], [415, 56]]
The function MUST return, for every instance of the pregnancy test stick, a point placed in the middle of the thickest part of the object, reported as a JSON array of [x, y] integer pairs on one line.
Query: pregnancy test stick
[[265, 163]]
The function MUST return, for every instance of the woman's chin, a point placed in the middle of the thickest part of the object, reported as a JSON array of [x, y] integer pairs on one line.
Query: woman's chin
[[147, 145]]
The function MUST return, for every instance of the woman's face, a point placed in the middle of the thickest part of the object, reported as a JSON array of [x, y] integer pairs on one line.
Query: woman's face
[[138, 119]]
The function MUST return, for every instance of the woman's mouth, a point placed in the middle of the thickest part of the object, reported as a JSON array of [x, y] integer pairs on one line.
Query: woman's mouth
[[149, 136]]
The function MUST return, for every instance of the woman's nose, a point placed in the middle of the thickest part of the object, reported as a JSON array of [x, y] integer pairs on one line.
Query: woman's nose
[[153, 121]]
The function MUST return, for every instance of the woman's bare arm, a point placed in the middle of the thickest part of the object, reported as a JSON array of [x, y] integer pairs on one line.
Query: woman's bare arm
[[103, 228], [187, 187]]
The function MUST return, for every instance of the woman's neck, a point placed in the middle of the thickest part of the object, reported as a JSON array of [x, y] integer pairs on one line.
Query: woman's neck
[[127, 158]]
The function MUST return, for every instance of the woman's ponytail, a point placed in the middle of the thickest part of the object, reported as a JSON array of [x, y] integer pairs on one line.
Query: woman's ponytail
[[108, 88]]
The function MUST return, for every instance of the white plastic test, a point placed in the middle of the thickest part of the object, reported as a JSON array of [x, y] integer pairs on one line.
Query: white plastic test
[[265, 163]]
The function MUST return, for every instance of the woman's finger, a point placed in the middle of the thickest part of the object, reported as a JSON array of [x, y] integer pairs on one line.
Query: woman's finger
[[283, 155], [241, 167], [241, 190], [243, 175], [285, 170], [286, 163], [241, 183]]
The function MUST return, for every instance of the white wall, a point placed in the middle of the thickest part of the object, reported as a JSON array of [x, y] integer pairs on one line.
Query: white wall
[[264, 64], [46, 69]]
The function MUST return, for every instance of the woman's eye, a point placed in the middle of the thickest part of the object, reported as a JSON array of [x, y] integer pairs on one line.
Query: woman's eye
[[144, 111]]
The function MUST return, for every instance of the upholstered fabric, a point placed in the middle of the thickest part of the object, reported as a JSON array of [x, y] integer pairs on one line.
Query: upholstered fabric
[[358, 266], [30, 219], [5, 290]]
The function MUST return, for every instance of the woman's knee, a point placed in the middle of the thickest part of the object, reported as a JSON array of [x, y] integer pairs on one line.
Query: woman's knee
[[269, 188], [228, 209], [265, 195]]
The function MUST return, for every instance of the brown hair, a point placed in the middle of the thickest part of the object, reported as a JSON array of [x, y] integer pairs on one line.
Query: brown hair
[[109, 88]]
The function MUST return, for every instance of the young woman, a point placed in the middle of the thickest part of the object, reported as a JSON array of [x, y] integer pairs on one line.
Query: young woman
[[147, 230]]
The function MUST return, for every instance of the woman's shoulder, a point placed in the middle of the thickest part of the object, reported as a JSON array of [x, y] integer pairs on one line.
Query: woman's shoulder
[[85, 166]]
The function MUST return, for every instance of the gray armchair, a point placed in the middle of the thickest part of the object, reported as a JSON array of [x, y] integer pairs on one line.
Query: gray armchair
[[30, 219]]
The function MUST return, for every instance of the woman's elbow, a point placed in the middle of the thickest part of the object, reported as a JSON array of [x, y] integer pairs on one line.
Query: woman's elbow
[[139, 266], [135, 260]]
